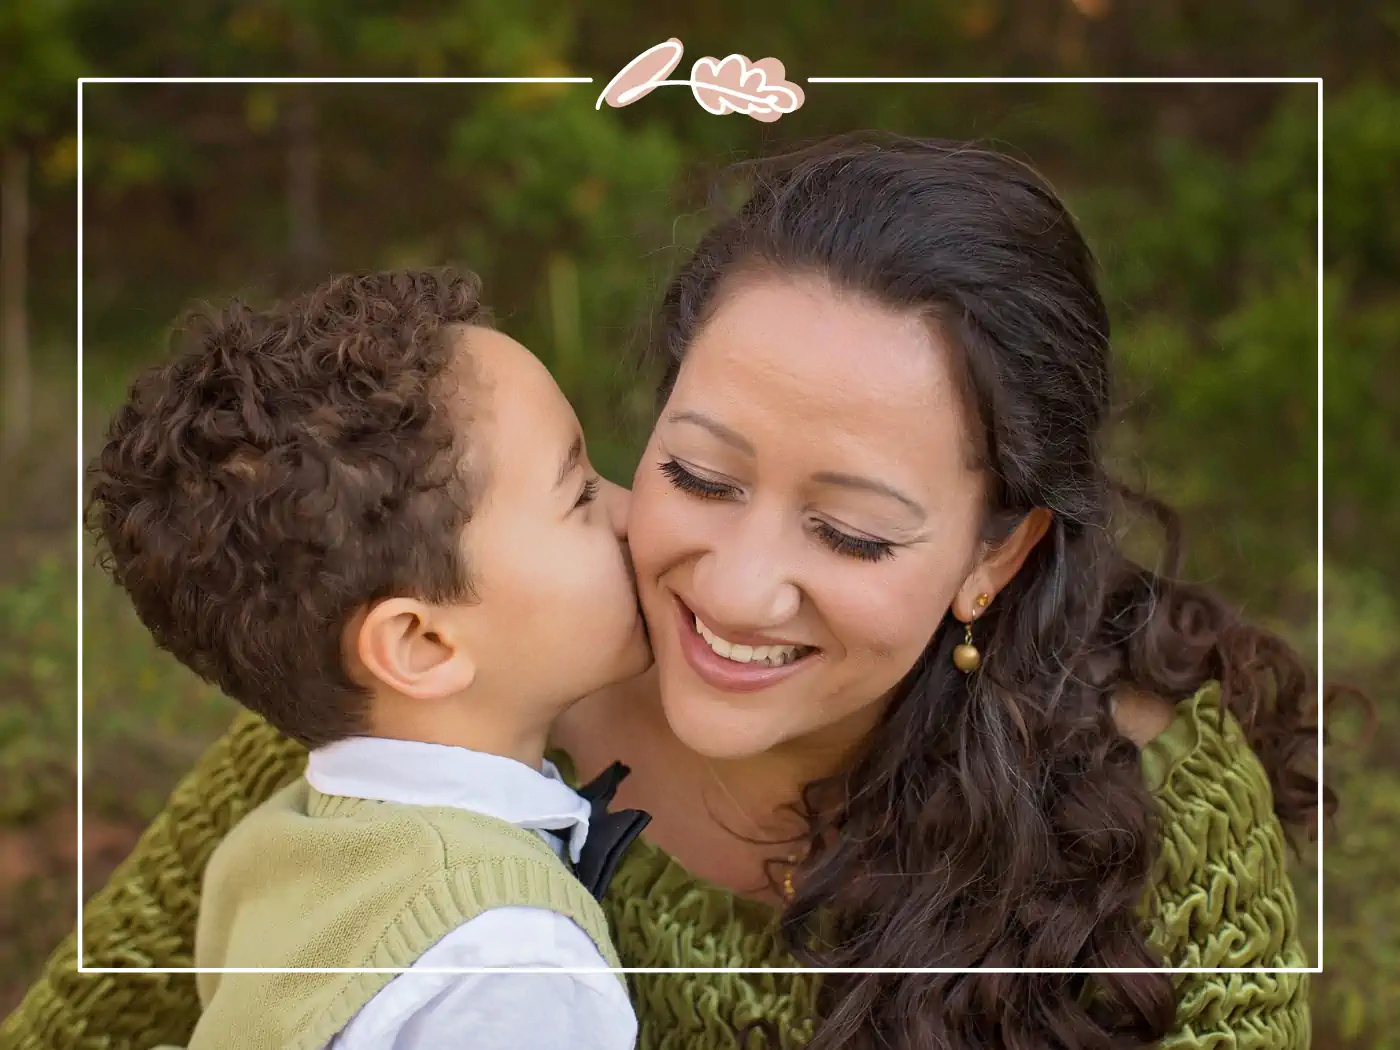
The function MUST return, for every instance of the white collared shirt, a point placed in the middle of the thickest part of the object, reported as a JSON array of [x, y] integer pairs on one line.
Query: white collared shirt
[[496, 1011]]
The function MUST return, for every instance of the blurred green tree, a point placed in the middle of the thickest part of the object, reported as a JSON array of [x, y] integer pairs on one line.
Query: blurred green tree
[[41, 66]]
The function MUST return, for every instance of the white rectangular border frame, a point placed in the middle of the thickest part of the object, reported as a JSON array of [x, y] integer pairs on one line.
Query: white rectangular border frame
[[1317, 81]]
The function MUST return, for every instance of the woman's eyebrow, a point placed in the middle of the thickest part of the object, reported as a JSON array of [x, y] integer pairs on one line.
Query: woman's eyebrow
[[855, 481], [718, 429], [827, 477]]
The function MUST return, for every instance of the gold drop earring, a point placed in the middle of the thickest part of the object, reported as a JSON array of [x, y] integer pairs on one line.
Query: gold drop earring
[[966, 658]]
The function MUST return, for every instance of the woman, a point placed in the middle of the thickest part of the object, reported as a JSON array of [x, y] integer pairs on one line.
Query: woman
[[911, 705]]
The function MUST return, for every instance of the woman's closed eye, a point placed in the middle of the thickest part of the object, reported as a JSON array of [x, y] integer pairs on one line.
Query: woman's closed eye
[[859, 547], [694, 484]]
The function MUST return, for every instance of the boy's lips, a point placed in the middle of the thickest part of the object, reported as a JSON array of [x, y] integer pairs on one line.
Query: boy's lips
[[730, 675]]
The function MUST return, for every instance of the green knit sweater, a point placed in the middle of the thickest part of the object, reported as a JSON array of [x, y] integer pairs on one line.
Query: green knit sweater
[[1220, 897], [314, 880]]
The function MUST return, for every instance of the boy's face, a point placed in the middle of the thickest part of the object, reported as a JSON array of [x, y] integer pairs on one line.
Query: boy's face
[[557, 614]]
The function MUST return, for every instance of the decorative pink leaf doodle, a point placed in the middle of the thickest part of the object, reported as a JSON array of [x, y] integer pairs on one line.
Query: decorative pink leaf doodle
[[730, 85], [775, 74], [642, 75], [733, 85]]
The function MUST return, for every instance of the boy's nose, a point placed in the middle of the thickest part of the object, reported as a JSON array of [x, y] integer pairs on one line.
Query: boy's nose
[[617, 500]]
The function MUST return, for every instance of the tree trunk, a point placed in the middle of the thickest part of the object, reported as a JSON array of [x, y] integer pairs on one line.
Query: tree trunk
[[303, 192], [14, 319]]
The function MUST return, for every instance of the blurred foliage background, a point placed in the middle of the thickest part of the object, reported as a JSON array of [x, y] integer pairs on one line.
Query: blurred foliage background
[[1199, 199]]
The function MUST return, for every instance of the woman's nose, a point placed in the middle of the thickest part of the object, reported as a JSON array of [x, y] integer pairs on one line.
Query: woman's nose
[[745, 578]]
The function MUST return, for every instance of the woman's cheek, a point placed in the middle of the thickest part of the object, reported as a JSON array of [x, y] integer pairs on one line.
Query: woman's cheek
[[653, 528], [886, 615]]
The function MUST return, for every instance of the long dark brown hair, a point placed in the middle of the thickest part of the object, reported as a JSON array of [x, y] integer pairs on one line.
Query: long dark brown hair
[[1009, 792]]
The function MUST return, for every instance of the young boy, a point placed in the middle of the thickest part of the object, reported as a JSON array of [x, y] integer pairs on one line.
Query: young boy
[[370, 519]]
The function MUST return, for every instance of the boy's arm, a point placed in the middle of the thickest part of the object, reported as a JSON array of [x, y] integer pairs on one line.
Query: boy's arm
[[500, 1011]]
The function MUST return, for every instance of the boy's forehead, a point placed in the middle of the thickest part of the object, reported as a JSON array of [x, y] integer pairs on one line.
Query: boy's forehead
[[515, 396], [495, 357], [508, 381]]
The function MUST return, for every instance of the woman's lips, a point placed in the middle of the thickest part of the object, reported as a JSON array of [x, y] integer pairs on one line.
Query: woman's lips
[[724, 674]]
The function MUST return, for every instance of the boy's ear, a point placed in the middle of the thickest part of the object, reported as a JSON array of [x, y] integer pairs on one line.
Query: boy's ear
[[409, 646]]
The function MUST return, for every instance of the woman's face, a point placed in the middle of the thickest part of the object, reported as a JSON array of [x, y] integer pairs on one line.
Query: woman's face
[[807, 485]]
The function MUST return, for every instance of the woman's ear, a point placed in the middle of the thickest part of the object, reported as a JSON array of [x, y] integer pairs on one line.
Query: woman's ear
[[999, 565], [413, 649]]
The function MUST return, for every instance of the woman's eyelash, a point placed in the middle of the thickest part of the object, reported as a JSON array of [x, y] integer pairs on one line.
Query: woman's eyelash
[[853, 546], [838, 541], [694, 484], [589, 493]]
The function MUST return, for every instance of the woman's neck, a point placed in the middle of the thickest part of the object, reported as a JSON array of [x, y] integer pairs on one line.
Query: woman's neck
[[768, 788]]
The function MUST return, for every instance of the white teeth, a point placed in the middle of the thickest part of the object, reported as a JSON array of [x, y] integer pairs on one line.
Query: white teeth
[[772, 655]]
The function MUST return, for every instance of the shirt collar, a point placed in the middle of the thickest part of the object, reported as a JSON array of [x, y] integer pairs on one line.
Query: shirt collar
[[412, 773]]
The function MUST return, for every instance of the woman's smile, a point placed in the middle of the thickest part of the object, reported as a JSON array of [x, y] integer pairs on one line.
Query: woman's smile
[[733, 665]]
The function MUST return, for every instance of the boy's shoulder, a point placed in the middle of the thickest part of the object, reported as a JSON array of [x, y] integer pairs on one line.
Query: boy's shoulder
[[308, 861], [309, 827]]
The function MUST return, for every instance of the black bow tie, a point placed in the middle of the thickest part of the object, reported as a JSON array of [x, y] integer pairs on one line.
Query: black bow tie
[[609, 834]]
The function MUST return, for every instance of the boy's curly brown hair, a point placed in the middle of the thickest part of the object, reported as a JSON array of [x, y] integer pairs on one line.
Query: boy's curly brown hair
[[285, 468]]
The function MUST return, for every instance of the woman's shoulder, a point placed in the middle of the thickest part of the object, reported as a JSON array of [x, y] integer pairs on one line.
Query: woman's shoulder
[[1220, 894], [1193, 748], [1196, 746]]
